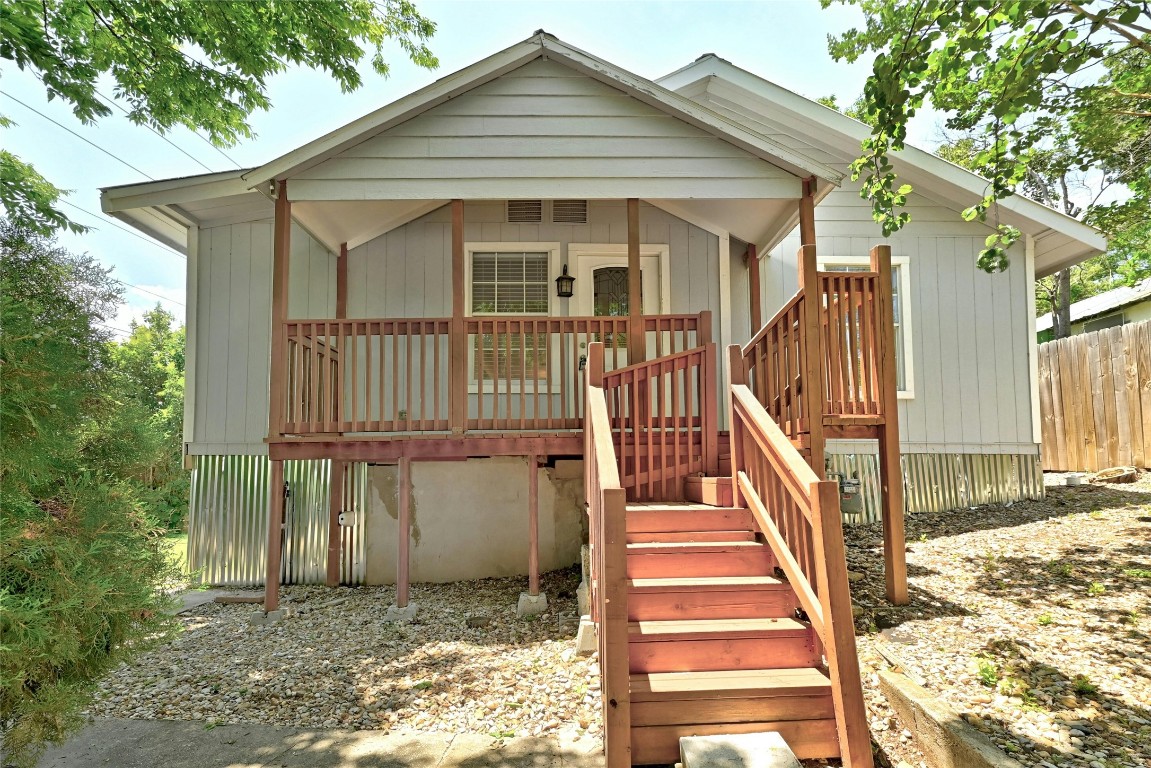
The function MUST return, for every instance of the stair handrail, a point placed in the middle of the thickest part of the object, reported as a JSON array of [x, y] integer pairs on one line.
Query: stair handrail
[[653, 406], [800, 518], [607, 537]]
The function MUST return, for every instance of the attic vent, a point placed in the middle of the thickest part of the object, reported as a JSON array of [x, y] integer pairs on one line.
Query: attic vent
[[569, 211], [525, 211]]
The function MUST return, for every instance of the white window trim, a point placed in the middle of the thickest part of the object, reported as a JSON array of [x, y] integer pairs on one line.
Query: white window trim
[[904, 264], [553, 250], [660, 250]]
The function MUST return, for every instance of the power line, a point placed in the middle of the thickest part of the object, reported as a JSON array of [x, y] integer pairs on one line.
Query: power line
[[133, 233], [208, 141], [117, 105], [78, 136], [113, 328], [145, 290]]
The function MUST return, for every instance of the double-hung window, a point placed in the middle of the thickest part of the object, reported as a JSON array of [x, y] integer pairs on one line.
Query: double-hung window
[[509, 280], [901, 291]]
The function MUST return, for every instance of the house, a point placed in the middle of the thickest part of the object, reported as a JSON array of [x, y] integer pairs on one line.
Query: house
[[1120, 306], [391, 376]]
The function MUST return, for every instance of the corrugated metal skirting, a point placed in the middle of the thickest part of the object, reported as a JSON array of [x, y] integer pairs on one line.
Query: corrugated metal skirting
[[228, 521], [936, 482]]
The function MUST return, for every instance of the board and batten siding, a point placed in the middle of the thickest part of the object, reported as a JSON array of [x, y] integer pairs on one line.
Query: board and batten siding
[[408, 271], [547, 131], [970, 337], [233, 328]]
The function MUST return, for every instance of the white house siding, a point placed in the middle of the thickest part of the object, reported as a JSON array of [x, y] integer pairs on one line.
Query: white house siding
[[233, 328], [970, 340], [545, 131], [408, 271]]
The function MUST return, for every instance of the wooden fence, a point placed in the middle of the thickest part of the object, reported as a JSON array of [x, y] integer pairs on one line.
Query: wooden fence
[[1095, 399]]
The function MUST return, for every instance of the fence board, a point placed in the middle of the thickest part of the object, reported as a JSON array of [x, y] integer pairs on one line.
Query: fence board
[[1095, 399]]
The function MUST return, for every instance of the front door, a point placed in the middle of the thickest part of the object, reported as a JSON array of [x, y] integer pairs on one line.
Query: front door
[[601, 290]]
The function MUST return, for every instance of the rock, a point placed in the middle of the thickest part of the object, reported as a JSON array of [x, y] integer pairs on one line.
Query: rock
[[476, 622]]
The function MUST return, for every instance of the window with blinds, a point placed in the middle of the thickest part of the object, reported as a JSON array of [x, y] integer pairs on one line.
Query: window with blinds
[[509, 283]]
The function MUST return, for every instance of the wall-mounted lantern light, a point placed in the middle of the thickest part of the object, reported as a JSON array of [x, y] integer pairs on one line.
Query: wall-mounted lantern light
[[565, 284]]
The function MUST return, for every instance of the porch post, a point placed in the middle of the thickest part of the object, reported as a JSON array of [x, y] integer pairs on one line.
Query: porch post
[[813, 394], [404, 532], [636, 337], [281, 248], [336, 480], [890, 471], [275, 536], [458, 373], [753, 288], [533, 526], [335, 503]]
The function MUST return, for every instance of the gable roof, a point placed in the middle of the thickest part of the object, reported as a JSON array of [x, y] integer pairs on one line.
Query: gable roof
[[834, 138], [541, 45], [1116, 298], [795, 134]]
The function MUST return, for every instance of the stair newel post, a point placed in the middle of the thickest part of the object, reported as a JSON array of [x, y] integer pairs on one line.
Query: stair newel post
[[811, 357], [736, 376], [593, 370], [890, 471], [614, 659], [839, 634]]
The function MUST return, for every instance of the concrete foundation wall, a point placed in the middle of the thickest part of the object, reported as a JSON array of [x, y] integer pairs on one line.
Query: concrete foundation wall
[[470, 519]]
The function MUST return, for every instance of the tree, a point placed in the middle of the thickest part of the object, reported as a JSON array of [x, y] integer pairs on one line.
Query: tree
[[80, 565], [147, 386], [203, 65], [1014, 71]]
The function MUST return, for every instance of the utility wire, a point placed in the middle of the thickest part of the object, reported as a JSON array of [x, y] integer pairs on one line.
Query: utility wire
[[145, 290], [117, 105], [222, 152], [78, 136], [107, 220]]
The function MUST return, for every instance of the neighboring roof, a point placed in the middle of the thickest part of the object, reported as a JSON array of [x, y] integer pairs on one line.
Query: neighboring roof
[[1116, 298], [834, 138]]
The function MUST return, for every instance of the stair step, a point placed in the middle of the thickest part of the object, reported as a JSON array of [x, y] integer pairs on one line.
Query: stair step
[[681, 630], [729, 684], [657, 536], [808, 739], [693, 645], [695, 547], [716, 597], [657, 560], [709, 490], [656, 518]]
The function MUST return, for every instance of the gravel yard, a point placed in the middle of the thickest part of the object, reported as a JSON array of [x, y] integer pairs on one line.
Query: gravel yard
[[1032, 621], [336, 664]]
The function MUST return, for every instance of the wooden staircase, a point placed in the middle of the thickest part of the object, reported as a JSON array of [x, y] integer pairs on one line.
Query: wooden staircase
[[714, 642]]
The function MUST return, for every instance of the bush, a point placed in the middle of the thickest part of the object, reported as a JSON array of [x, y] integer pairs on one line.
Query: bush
[[81, 567]]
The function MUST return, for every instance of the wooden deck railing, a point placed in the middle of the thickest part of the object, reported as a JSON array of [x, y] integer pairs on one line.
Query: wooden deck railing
[[847, 356], [407, 375], [799, 517], [664, 416], [607, 542]]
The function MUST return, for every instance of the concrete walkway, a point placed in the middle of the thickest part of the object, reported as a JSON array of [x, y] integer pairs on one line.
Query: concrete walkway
[[175, 744]]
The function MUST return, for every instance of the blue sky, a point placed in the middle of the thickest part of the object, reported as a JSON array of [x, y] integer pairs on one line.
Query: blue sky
[[781, 40]]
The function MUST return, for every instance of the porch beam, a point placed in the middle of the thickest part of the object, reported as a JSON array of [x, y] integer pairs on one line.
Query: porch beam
[[753, 288], [636, 338], [404, 533], [440, 448], [890, 471], [458, 382], [533, 526]]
